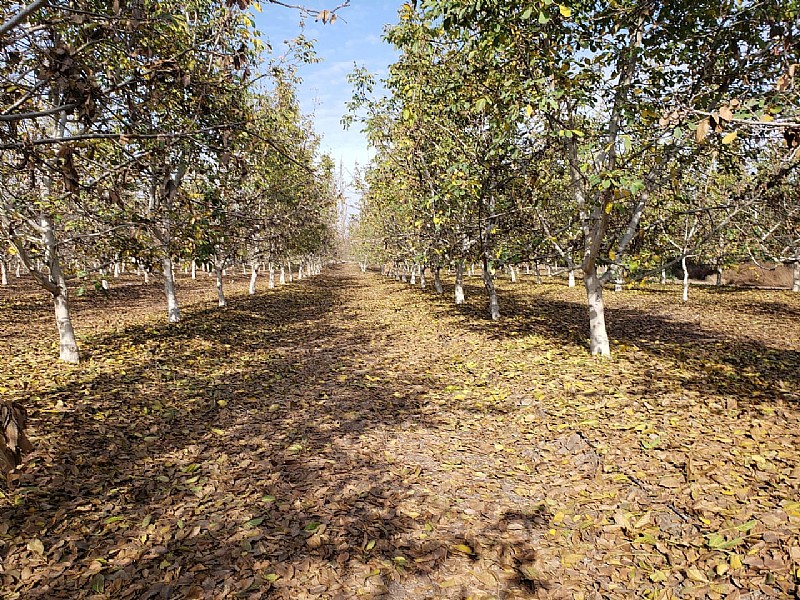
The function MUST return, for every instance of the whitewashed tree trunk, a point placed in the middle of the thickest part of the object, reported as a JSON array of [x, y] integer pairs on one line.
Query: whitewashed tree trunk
[[663, 276], [513, 274], [413, 274], [116, 269], [403, 274], [527, 268], [146, 275], [437, 280], [459, 282], [300, 273], [491, 290], [283, 275], [68, 346], [271, 279], [173, 311], [537, 273], [56, 284], [3, 272], [685, 296], [220, 272], [618, 283], [549, 269], [19, 268], [254, 266], [796, 276], [289, 270], [571, 278], [598, 338], [194, 269]]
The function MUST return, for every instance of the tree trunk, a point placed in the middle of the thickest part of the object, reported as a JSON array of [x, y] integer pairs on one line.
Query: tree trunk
[[253, 277], [68, 346], [413, 274], [289, 269], [422, 281], [19, 268], [173, 312], [3, 272], [488, 282], [537, 273], [571, 278], [460, 282], [685, 280], [300, 273], [513, 274], [663, 276], [220, 294], [282, 279], [194, 269], [437, 279], [598, 338], [796, 276]]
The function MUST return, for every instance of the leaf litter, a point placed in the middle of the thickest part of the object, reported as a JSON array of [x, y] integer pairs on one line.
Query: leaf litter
[[351, 437]]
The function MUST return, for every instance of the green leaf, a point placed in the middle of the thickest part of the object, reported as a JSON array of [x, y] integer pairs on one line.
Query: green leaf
[[254, 522], [543, 18]]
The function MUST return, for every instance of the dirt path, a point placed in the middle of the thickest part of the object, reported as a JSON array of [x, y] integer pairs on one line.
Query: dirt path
[[349, 437]]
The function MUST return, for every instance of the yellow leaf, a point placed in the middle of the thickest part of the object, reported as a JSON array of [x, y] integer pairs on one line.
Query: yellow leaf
[[729, 138], [696, 575], [703, 127], [609, 207], [612, 255], [736, 562], [565, 11], [558, 518], [463, 548], [767, 118]]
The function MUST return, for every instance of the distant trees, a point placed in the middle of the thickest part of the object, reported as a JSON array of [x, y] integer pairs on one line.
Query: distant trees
[[128, 131], [608, 107]]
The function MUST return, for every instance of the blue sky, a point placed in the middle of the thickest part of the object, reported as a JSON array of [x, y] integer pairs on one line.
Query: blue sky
[[354, 39]]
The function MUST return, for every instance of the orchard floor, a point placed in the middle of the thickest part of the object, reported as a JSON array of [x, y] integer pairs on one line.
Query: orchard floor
[[348, 436]]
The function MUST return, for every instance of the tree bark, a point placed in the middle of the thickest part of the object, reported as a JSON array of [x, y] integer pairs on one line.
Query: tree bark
[[459, 292], [598, 338], [685, 280], [488, 282], [220, 293], [3, 272], [253, 277], [437, 279], [194, 269], [173, 311], [422, 281], [282, 279], [513, 274], [796, 276]]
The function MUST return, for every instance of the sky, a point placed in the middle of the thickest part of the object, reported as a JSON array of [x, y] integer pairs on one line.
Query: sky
[[354, 39]]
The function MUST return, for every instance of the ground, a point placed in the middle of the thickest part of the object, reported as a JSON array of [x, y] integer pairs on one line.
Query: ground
[[348, 436]]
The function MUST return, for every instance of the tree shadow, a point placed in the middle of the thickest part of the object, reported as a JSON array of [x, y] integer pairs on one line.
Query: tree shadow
[[724, 363], [242, 452]]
